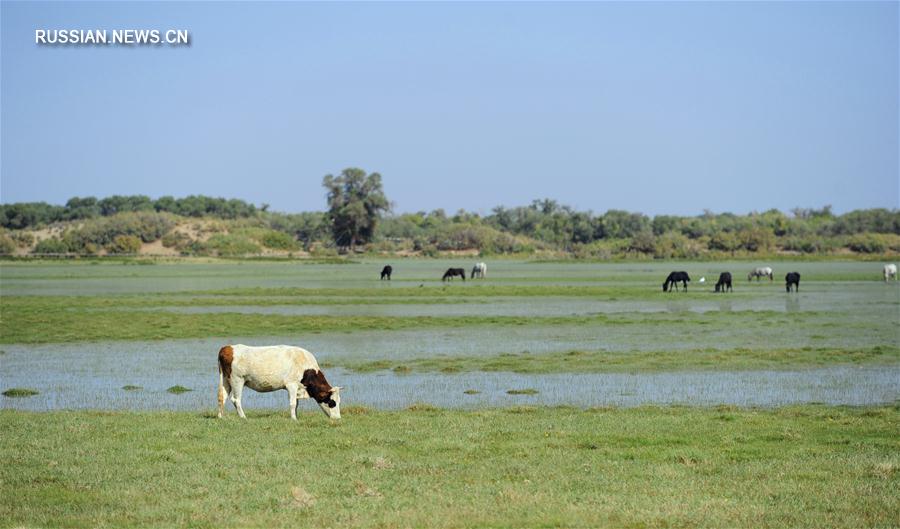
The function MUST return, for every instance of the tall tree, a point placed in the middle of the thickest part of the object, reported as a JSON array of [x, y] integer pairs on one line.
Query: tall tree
[[355, 203]]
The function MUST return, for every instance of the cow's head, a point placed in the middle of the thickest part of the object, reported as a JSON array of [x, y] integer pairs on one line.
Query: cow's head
[[331, 405], [328, 397]]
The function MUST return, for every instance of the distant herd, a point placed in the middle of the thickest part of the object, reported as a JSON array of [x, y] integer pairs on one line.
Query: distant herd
[[724, 284]]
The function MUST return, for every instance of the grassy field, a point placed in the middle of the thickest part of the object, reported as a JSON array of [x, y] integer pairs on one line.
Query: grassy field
[[807, 466], [69, 327]]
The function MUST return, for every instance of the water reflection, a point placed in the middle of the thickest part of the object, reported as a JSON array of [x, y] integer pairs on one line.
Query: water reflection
[[386, 390]]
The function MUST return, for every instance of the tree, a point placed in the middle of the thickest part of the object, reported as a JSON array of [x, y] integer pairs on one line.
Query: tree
[[355, 203]]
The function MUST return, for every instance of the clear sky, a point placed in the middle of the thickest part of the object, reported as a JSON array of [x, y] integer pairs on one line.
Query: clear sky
[[652, 107]]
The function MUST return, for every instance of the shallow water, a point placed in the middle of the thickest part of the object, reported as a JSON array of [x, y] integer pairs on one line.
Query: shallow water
[[835, 385], [841, 305], [92, 375]]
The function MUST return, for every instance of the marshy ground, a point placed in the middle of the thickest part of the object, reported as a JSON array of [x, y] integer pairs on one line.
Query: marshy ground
[[520, 400]]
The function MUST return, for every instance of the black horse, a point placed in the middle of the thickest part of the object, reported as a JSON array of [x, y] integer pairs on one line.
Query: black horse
[[724, 284], [451, 272], [386, 272], [792, 278], [674, 278]]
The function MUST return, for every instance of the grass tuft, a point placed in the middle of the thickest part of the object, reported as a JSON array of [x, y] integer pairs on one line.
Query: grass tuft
[[526, 391], [178, 390], [129, 387], [20, 392]]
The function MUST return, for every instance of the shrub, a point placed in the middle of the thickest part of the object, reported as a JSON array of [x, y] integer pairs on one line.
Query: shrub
[[177, 240], [23, 239], [867, 243], [230, 245], [124, 244], [7, 245], [278, 240], [148, 226], [50, 246]]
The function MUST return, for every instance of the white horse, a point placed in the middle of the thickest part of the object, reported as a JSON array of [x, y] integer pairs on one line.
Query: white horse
[[479, 270], [890, 271], [762, 271]]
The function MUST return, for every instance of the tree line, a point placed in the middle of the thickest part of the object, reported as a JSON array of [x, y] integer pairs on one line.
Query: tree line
[[358, 216]]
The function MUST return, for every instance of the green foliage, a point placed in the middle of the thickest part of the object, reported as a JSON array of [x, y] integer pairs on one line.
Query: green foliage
[[30, 214], [27, 214], [176, 239], [7, 244], [50, 245], [355, 203], [146, 226], [227, 245], [23, 239], [124, 244], [20, 392], [277, 240], [868, 243], [307, 227]]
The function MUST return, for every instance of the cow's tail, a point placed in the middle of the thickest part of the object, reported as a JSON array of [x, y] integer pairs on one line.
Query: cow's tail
[[226, 355]]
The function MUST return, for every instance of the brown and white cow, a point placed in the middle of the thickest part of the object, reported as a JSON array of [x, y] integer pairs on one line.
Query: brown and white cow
[[271, 368]]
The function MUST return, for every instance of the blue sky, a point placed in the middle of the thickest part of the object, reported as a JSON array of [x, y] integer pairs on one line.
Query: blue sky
[[652, 107]]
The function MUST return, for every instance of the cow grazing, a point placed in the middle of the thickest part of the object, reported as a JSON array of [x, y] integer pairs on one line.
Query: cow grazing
[[724, 284], [792, 279], [762, 271], [272, 368], [673, 279], [890, 271], [453, 272], [386, 272], [479, 271]]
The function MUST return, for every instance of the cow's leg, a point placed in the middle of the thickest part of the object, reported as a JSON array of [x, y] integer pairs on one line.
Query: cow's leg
[[224, 390], [236, 389], [292, 400]]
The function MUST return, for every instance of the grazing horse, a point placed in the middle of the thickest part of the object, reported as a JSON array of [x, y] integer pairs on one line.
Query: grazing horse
[[724, 284], [386, 272], [890, 270], [762, 271], [673, 279], [792, 278], [452, 272], [479, 271]]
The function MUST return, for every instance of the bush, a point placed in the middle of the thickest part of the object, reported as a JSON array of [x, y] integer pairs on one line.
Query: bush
[[177, 240], [868, 243], [124, 244], [101, 232], [229, 245], [23, 239], [50, 246], [7, 245], [278, 240]]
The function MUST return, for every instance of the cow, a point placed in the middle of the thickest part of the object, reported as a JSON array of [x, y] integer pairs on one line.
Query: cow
[[452, 272], [386, 272], [271, 368], [762, 271], [479, 271], [724, 284], [890, 271], [673, 279], [792, 279]]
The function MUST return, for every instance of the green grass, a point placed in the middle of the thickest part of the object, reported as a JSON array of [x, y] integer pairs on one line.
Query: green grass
[[20, 392], [38, 319], [809, 466], [178, 389], [639, 361]]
